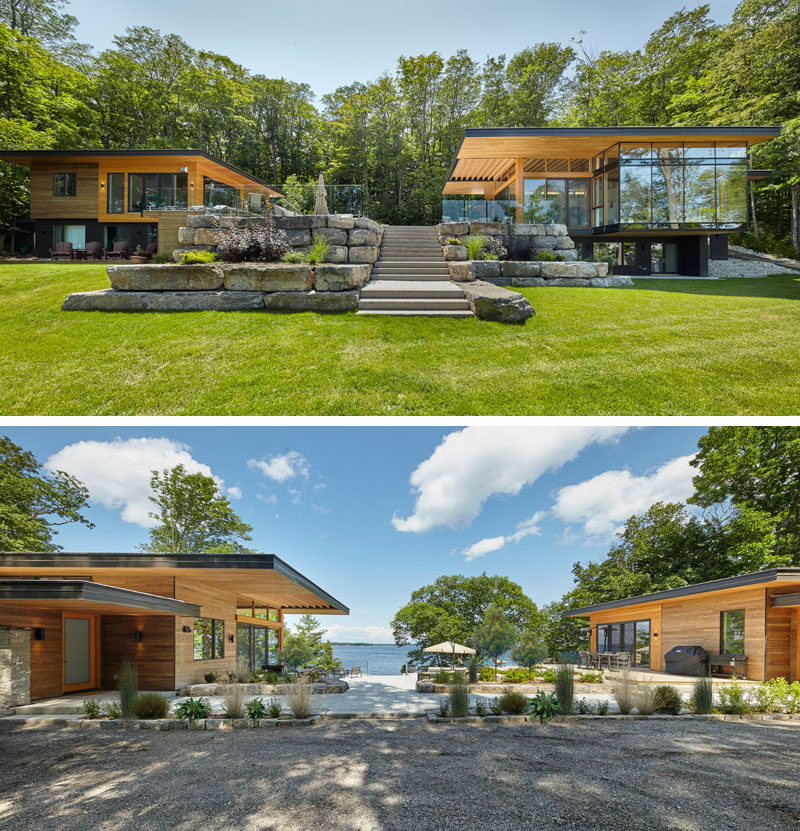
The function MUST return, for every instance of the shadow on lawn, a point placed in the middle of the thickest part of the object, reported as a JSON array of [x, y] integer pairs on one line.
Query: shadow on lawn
[[782, 287]]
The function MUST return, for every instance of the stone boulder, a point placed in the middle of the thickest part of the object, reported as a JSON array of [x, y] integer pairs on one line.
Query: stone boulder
[[109, 300], [199, 220], [528, 230], [460, 272], [267, 276], [362, 236], [516, 268], [541, 243], [335, 236], [452, 229], [527, 282], [336, 254], [556, 229], [186, 236], [363, 254], [344, 221], [157, 277], [485, 269], [312, 301], [298, 236], [366, 222], [564, 242], [488, 229], [206, 236], [292, 223], [490, 302], [455, 252], [340, 277], [578, 271]]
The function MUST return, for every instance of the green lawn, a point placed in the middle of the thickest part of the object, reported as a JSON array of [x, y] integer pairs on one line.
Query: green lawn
[[665, 348]]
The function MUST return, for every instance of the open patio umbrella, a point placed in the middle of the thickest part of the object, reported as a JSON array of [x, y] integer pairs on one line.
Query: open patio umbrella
[[321, 202], [450, 648]]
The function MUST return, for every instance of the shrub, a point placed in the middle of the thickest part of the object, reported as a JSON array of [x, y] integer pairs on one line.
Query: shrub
[[262, 242], [549, 257], [623, 693], [241, 674], [111, 709], [475, 247], [199, 257], [91, 708], [480, 707], [543, 706], [644, 700], [777, 696], [494, 249], [583, 706], [548, 676], [734, 700], [318, 251], [162, 259], [233, 700], [293, 257], [128, 685], [702, 700], [485, 674], [602, 708], [274, 708], [442, 677], [668, 699], [453, 241], [518, 675], [591, 677], [518, 247], [565, 688], [459, 700], [473, 670], [256, 709], [444, 707], [210, 677], [193, 709], [298, 697], [151, 705], [513, 703]]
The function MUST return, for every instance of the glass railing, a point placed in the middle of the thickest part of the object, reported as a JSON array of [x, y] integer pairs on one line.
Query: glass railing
[[478, 210]]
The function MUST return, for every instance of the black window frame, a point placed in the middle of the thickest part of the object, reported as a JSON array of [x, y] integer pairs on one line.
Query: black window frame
[[109, 195], [217, 642], [633, 650], [69, 183], [722, 644]]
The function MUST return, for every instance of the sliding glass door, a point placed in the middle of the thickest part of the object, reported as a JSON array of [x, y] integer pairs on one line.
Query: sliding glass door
[[630, 636]]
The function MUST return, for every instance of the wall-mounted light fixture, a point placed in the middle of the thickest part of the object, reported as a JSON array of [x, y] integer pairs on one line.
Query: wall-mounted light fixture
[[184, 169], [38, 633], [187, 628], [137, 636], [230, 638]]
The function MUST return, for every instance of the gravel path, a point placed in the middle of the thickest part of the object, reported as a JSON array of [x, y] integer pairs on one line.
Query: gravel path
[[369, 775]]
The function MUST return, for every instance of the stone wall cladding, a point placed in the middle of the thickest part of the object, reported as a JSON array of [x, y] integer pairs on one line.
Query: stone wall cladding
[[353, 239], [15, 668]]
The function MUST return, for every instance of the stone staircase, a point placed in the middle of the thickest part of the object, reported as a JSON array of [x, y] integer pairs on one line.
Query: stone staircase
[[412, 278]]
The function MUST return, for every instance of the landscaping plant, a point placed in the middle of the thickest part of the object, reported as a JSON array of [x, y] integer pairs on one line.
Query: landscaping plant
[[565, 688], [480, 707], [485, 674], [91, 708], [318, 250], [475, 247], [702, 700], [128, 685], [623, 693], [442, 677], [210, 677], [444, 708], [496, 634], [459, 700], [473, 669], [591, 677], [293, 257], [199, 257], [453, 241], [528, 651], [256, 710], [517, 675], [162, 259], [644, 700], [668, 699], [151, 705], [548, 675], [513, 703], [298, 697], [233, 700], [241, 674], [734, 700], [193, 709], [549, 257], [111, 709], [602, 708], [274, 708], [544, 706], [583, 706], [494, 249], [776, 696]]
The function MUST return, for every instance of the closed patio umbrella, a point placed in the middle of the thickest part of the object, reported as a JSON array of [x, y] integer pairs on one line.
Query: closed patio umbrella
[[450, 648], [321, 202]]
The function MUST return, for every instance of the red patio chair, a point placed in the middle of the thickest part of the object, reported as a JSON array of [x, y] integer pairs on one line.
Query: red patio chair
[[94, 251], [61, 251], [120, 251]]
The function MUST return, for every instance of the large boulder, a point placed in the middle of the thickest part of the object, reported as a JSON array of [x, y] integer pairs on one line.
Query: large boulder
[[452, 229], [570, 255], [109, 300], [575, 271], [157, 277], [485, 269], [490, 302], [556, 229], [570, 282], [291, 223], [344, 221], [528, 230], [540, 243], [528, 282], [363, 254], [201, 221], [460, 272], [517, 268], [267, 276], [611, 282], [455, 252], [340, 277], [312, 301], [362, 236], [488, 229], [186, 236], [298, 236], [335, 236], [336, 254], [564, 242], [366, 222]]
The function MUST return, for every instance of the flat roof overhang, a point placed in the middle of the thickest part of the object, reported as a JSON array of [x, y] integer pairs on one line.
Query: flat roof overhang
[[263, 577], [86, 595], [773, 575], [27, 157], [485, 152]]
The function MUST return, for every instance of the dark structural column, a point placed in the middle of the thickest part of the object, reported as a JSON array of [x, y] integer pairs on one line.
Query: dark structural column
[[719, 246], [587, 249], [644, 263], [693, 256]]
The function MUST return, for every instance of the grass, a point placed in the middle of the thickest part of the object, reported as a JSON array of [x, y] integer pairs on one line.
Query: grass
[[666, 348]]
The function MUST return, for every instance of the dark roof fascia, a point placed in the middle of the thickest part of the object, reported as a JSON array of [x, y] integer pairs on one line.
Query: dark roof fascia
[[143, 559], [767, 576], [111, 153], [600, 132], [89, 591]]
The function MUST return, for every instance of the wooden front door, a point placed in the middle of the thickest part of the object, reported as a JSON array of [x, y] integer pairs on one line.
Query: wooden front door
[[80, 652]]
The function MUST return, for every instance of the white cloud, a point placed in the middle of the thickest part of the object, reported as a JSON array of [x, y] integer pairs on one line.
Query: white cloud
[[366, 634], [603, 503], [234, 492], [117, 473], [473, 464], [526, 528], [272, 499], [282, 467]]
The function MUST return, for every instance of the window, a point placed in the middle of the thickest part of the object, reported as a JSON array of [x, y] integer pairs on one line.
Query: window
[[157, 191], [631, 636], [731, 637], [65, 184], [219, 194], [257, 646], [115, 185], [76, 234], [209, 638]]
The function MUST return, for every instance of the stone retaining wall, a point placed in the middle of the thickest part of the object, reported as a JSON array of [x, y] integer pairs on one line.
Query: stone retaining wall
[[353, 239], [551, 237], [226, 287], [15, 668], [527, 274]]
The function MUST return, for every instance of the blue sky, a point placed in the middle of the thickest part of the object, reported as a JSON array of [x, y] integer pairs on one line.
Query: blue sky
[[329, 44], [371, 513]]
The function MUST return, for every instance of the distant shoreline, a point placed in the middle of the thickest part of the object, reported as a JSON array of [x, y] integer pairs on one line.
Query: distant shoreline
[[352, 643]]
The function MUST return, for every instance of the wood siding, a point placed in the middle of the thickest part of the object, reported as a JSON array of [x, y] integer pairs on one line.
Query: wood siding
[[46, 655], [650, 611], [81, 206], [154, 655]]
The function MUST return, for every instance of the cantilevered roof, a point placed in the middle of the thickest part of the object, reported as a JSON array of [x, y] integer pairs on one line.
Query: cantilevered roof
[[484, 153], [27, 157], [263, 577], [90, 596], [772, 575]]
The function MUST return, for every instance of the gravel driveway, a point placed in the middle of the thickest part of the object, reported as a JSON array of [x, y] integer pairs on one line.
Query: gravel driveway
[[405, 775]]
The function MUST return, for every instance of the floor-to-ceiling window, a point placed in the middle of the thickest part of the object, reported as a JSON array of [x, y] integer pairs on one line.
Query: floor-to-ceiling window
[[257, 642], [155, 191], [630, 636], [563, 201]]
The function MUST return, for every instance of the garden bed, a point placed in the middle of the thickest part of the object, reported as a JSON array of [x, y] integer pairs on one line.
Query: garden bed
[[256, 688], [169, 723]]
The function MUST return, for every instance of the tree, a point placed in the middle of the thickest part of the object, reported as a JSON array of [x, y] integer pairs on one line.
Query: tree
[[303, 645], [193, 516], [529, 650], [33, 503], [496, 634], [454, 606], [534, 79]]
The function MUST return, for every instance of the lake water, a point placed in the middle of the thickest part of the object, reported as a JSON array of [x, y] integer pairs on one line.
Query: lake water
[[375, 660]]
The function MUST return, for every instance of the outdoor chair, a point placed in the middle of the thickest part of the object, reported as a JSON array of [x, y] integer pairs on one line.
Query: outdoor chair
[[94, 251], [151, 249], [355, 672], [120, 251], [61, 251]]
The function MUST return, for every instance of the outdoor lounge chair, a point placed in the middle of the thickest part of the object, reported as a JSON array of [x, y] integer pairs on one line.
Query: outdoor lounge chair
[[151, 249], [355, 672], [120, 251], [94, 251], [61, 251]]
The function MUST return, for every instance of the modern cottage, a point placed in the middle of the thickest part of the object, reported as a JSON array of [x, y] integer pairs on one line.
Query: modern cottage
[[138, 197], [747, 624], [662, 198], [70, 617]]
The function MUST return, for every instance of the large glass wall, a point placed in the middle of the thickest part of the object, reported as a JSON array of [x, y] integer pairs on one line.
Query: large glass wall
[[671, 185], [564, 201], [256, 646], [631, 636]]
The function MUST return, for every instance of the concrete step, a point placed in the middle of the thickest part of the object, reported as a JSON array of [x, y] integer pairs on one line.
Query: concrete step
[[409, 268], [411, 289], [413, 277], [409, 303], [417, 313]]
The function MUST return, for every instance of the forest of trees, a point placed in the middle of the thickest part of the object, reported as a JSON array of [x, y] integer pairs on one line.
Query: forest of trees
[[395, 135]]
